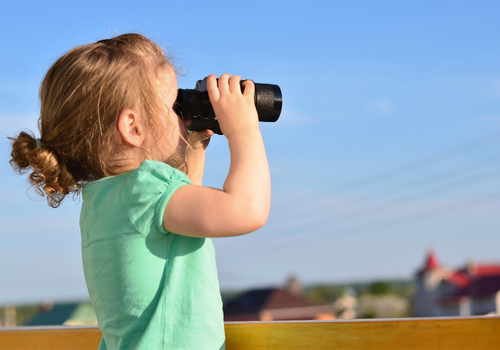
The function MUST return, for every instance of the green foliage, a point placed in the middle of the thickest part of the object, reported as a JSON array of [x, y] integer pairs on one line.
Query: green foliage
[[323, 294], [370, 313], [380, 288], [24, 313]]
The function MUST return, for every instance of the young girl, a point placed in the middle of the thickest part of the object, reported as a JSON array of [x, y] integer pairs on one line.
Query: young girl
[[108, 128]]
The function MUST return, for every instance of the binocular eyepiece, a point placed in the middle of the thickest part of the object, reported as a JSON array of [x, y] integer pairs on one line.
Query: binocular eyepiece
[[195, 104]]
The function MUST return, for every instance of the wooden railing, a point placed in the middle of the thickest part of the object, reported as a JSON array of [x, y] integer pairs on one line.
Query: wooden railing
[[413, 333]]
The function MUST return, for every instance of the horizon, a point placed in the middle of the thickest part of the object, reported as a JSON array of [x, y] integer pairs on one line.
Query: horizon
[[386, 144]]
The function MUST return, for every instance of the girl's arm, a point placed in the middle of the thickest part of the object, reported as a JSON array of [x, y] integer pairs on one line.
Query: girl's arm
[[242, 206]]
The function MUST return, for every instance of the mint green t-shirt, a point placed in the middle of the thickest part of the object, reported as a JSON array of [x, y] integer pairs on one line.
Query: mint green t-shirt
[[150, 289]]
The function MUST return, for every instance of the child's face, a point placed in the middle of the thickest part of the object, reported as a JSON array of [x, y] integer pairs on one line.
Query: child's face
[[175, 131]]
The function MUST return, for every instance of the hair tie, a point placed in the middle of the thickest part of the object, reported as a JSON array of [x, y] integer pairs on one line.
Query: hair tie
[[38, 143]]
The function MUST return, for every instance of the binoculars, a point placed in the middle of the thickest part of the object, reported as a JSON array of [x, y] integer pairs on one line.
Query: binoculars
[[195, 104]]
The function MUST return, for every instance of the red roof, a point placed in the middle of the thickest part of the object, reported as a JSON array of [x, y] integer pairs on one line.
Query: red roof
[[464, 277], [459, 279], [474, 280], [431, 262], [488, 270], [477, 281]]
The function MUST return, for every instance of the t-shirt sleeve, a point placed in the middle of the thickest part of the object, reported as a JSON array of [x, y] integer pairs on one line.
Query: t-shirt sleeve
[[150, 187]]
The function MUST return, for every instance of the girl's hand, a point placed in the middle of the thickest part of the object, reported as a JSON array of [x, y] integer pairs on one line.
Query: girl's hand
[[198, 141], [195, 154], [235, 110]]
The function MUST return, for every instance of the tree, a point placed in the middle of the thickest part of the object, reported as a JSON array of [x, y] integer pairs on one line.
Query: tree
[[379, 288]]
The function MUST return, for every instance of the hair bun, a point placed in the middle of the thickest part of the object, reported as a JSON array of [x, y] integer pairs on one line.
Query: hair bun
[[49, 177]]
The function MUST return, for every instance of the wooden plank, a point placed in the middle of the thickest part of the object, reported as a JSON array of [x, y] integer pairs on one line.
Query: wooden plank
[[45, 338], [453, 334], [432, 333]]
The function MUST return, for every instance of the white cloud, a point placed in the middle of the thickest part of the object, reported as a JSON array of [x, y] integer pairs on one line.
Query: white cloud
[[381, 107]]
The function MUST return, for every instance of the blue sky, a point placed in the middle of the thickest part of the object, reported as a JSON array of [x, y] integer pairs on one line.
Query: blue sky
[[388, 142]]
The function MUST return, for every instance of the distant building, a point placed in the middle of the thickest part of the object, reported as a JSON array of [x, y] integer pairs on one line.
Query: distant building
[[73, 314], [345, 306], [471, 290], [272, 304]]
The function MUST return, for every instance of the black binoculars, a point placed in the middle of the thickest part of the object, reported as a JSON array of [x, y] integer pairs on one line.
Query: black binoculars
[[195, 104]]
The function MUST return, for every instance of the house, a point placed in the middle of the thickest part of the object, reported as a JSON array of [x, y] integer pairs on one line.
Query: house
[[271, 304], [471, 290], [70, 313]]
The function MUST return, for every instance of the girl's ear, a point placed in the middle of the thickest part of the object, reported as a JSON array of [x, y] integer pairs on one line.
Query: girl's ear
[[130, 127]]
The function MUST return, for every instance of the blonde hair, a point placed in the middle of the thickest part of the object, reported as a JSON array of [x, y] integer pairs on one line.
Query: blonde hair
[[82, 96]]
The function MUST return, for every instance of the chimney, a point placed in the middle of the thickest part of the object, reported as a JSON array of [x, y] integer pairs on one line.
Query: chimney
[[293, 286], [471, 267]]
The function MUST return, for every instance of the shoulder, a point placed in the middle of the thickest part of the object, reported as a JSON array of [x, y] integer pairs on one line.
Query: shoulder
[[155, 171], [147, 191]]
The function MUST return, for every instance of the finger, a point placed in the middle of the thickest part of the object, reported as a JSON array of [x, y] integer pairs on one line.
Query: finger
[[249, 88], [224, 83], [205, 134], [234, 84], [213, 91], [200, 136]]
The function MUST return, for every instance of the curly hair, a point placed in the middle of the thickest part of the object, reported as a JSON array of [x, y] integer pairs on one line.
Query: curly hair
[[81, 98]]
